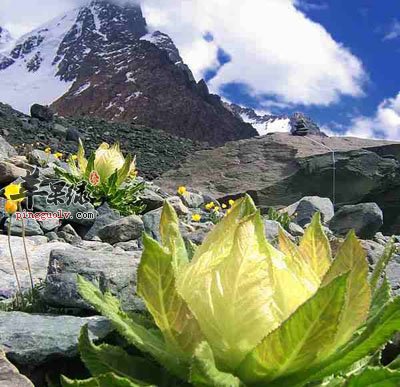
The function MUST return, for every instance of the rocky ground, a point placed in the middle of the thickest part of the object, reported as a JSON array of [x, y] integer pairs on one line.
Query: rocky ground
[[59, 251]]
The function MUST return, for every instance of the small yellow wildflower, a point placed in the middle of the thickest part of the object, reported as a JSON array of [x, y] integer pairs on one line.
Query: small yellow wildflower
[[47, 150], [14, 193], [11, 207], [224, 206], [231, 202], [196, 217], [228, 211], [182, 190], [210, 206], [58, 155], [74, 157], [216, 209]]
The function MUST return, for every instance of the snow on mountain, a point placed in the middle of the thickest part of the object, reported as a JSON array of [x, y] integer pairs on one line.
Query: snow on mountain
[[5, 39], [43, 64], [28, 71], [268, 123]]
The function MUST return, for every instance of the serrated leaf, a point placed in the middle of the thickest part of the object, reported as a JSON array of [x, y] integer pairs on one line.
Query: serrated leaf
[[104, 358], [302, 340], [351, 258], [298, 263], [171, 236], [241, 296], [383, 261], [219, 242], [137, 335], [376, 333], [156, 285], [381, 296], [107, 380], [315, 247], [375, 377], [204, 372]]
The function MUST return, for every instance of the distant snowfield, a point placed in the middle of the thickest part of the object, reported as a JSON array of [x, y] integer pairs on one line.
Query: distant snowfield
[[268, 126], [21, 88]]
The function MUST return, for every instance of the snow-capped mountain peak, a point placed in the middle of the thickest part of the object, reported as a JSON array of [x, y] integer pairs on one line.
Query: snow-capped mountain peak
[[48, 60]]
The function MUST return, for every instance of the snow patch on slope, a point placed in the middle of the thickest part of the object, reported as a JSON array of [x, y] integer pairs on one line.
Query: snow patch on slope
[[43, 85], [270, 125]]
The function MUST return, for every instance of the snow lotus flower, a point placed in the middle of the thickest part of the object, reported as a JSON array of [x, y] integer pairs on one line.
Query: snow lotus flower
[[237, 311], [106, 161]]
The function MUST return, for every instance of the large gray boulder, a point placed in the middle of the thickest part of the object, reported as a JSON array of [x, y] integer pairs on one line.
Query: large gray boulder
[[106, 216], [33, 339], [115, 272], [10, 172], [280, 169], [32, 227], [39, 254], [122, 230], [42, 113], [6, 150], [304, 209], [365, 219]]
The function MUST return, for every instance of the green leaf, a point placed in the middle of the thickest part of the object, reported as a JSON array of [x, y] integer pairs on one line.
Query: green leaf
[[375, 377], [315, 247], [351, 258], [304, 339], [219, 242], [107, 380], [377, 332], [242, 295], [136, 334], [395, 364], [106, 358], [90, 165], [123, 172], [381, 297], [380, 266], [204, 372], [171, 236], [298, 263], [156, 285]]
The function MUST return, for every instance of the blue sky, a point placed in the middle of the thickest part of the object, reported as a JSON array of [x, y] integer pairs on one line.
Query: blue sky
[[371, 31], [336, 60]]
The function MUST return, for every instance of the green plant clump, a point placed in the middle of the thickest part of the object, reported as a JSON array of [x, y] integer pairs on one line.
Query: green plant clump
[[243, 313], [281, 217], [106, 177]]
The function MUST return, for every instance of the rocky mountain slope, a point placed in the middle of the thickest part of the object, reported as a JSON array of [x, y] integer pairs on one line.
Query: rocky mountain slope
[[278, 169], [100, 60], [156, 150]]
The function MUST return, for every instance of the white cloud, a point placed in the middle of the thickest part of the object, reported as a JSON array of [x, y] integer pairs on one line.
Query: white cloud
[[393, 31], [384, 124], [275, 48]]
